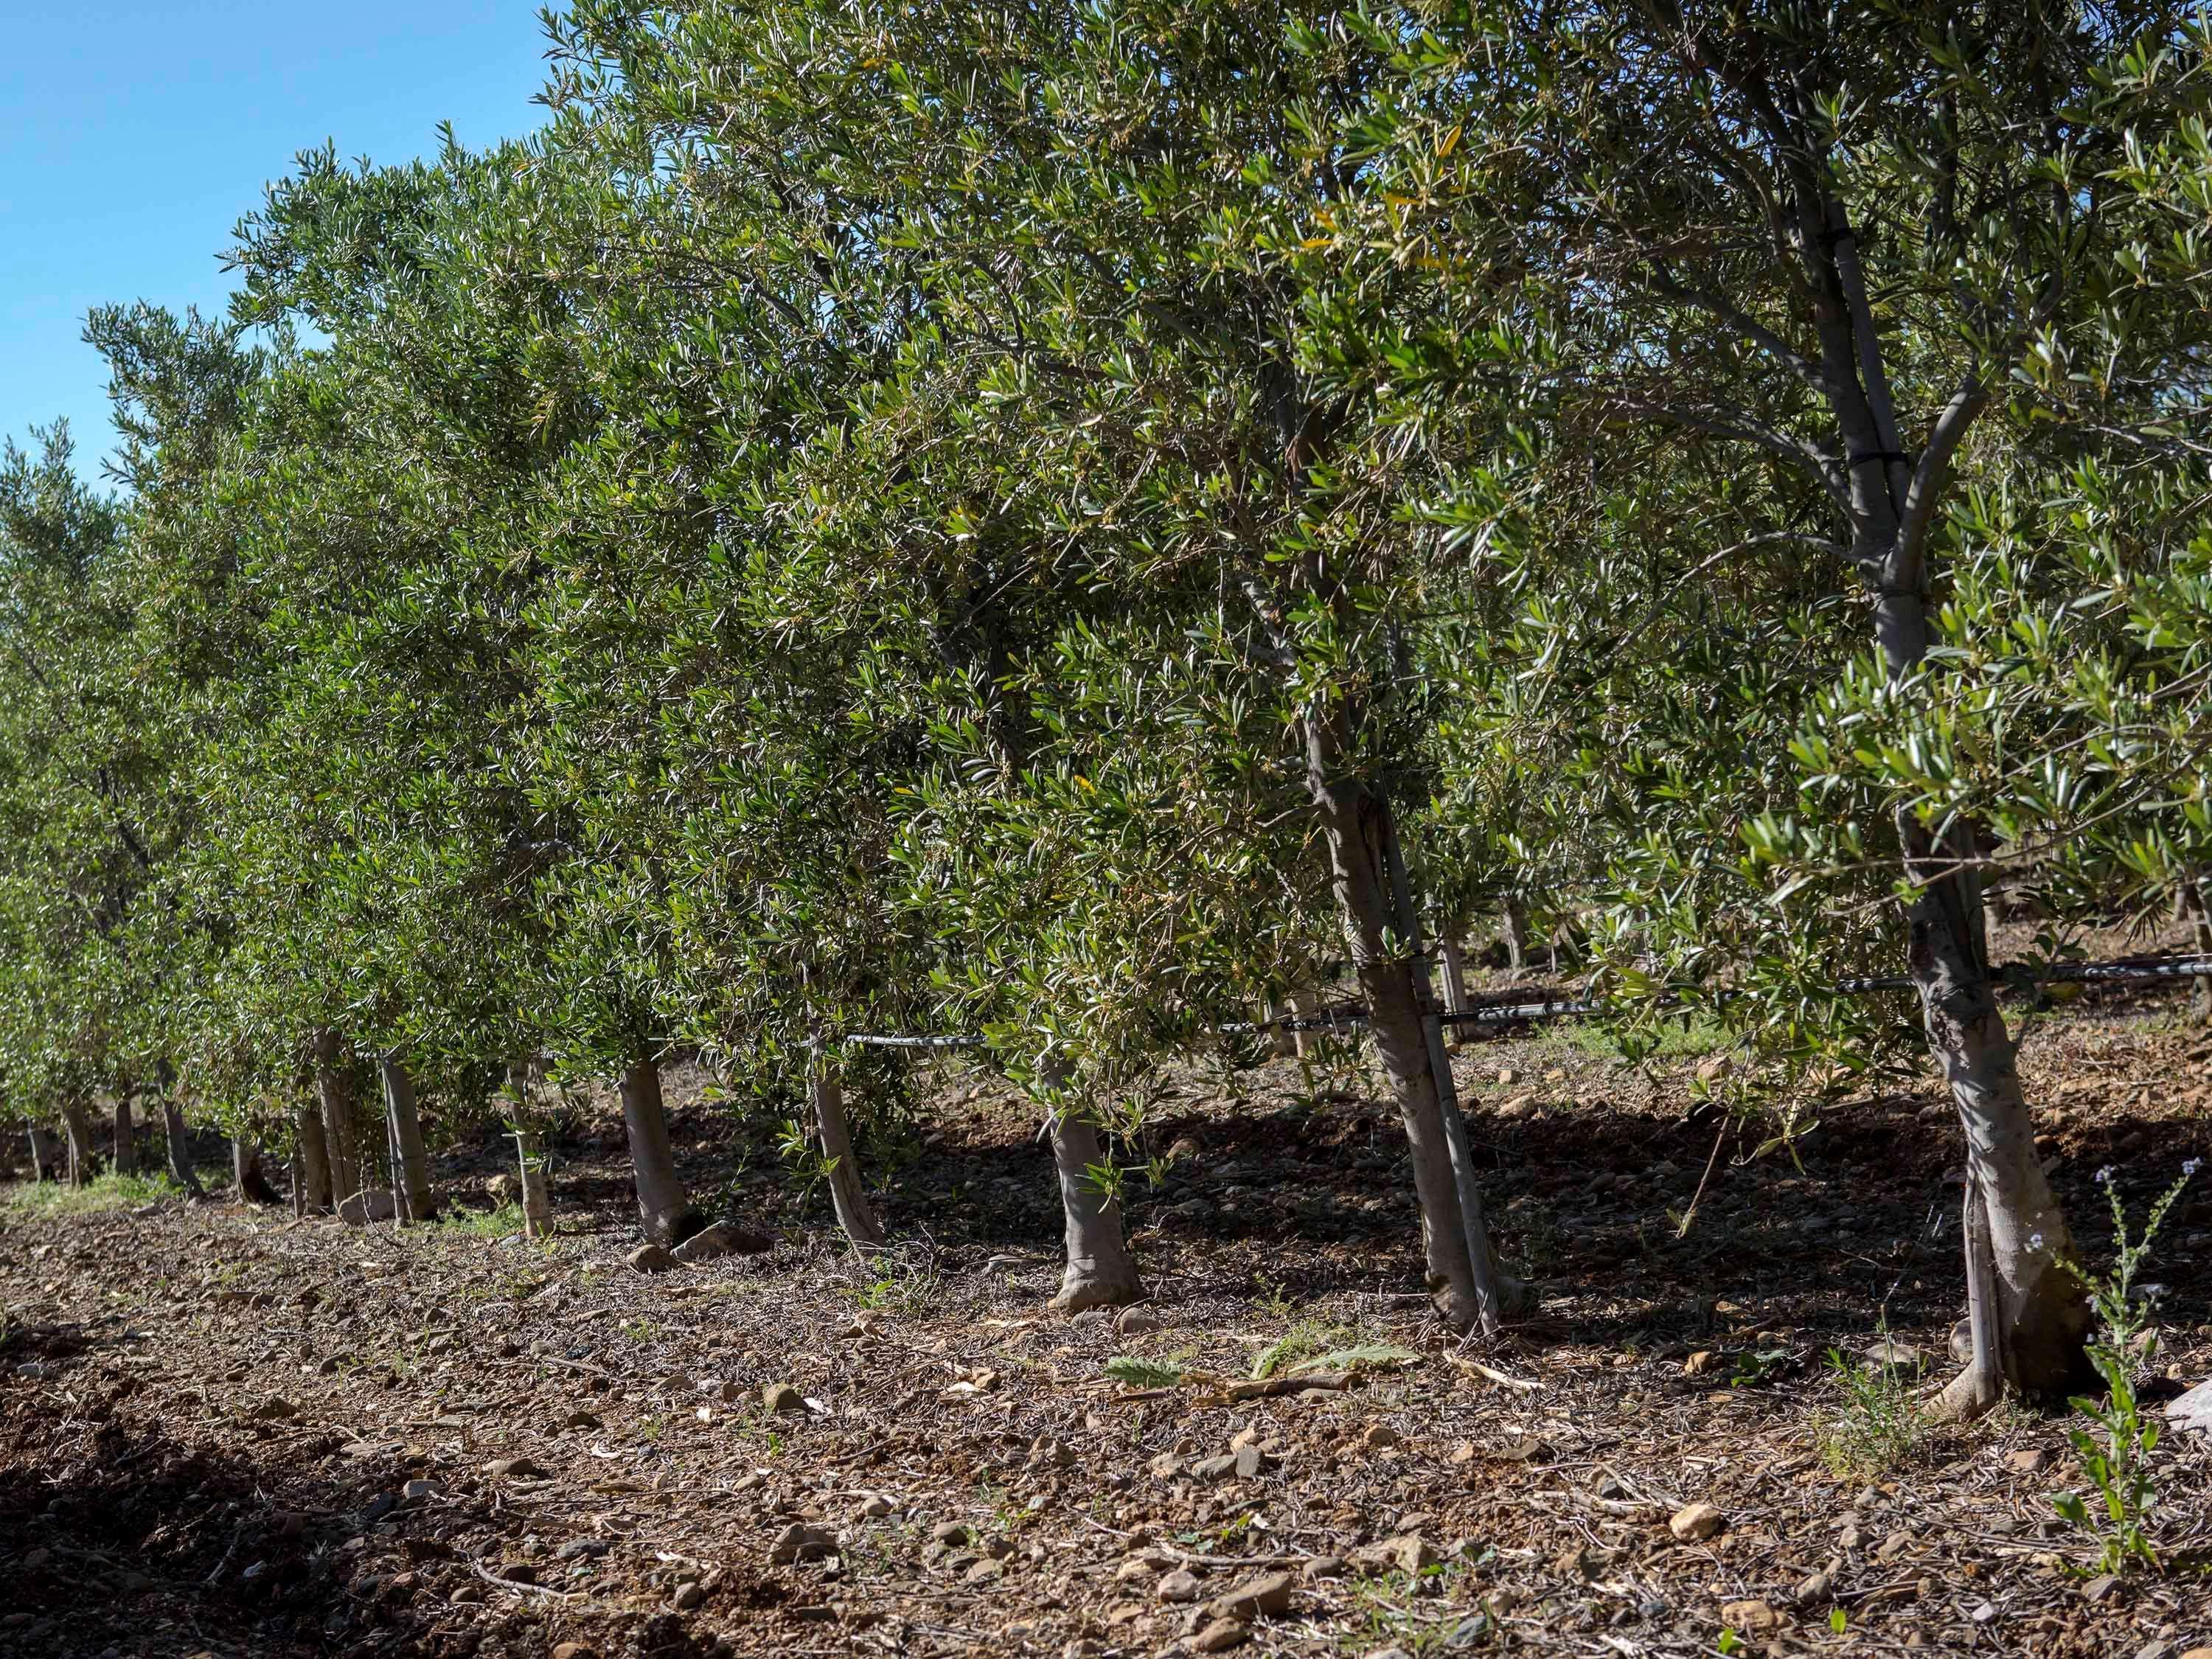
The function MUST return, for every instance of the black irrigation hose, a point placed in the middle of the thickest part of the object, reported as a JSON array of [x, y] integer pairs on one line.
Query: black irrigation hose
[[1352, 1017]]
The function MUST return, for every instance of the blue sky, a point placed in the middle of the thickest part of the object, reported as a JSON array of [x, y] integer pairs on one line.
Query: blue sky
[[134, 133]]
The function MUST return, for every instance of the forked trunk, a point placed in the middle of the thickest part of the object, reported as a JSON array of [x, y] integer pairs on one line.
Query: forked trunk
[[341, 1145], [47, 1158], [126, 1137], [253, 1185], [311, 1159], [77, 1124], [412, 1197], [178, 1139], [1100, 1271], [854, 1214], [537, 1199], [663, 1210], [1356, 825]]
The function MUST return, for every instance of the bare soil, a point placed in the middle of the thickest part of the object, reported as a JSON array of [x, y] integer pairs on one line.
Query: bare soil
[[211, 1414]]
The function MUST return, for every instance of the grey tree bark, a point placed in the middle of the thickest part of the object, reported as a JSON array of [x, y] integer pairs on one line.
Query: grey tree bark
[[246, 1169], [1100, 1271], [178, 1140], [76, 1125], [1516, 935], [413, 1199], [847, 1194], [537, 1199], [2035, 1336], [341, 1143], [125, 1159], [663, 1210], [1356, 827], [312, 1191]]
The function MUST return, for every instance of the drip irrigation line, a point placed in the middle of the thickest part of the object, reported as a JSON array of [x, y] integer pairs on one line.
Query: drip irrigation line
[[1351, 1017]]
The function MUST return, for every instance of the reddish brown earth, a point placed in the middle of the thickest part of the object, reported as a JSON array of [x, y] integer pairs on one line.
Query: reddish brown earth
[[210, 1414]]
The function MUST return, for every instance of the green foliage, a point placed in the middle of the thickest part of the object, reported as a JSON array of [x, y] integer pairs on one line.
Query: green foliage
[[1879, 1428], [1141, 1373], [106, 1191], [2115, 1450]]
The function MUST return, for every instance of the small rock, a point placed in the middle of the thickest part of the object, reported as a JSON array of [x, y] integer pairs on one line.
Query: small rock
[[689, 1595], [1133, 1320], [1222, 1635], [1380, 1435], [419, 1489], [2028, 1460], [988, 1571], [503, 1190], [801, 1541], [2098, 1588], [2198, 1653], [719, 1238], [36, 1559], [274, 1409], [1699, 1363], [651, 1259], [512, 1468], [953, 1533], [781, 1398], [2192, 1410], [579, 1420], [575, 1651], [1961, 1342], [1891, 1355], [1527, 1449], [1318, 1567], [1267, 1596], [1181, 1585], [1697, 1520], [876, 1507], [1813, 1589], [362, 1208], [1165, 1466], [1214, 1468], [1247, 1463], [1754, 1618], [468, 1596], [1409, 1552]]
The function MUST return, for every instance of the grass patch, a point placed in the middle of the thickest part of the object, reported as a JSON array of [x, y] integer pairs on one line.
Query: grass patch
[[484, 1224], [106, 1191], [1312, 1346], [1877, 1430]]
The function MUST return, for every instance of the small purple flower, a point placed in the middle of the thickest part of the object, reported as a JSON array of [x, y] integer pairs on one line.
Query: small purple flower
[[2104, 1175], [2191, 1166], [2035, 1241]]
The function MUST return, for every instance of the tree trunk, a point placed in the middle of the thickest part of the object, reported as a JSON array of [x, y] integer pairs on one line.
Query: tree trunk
[[663, 1211], [46, 1158], [412, 1198], [312, 1191], [77, 1124], [2041, 1318], [341, 1147], [179, 1145], [1100, 1271], [854, 1214], [537, 1200], [1356, 825], [2200, 914], [126, 1136], [1281, 1039], [1454, 975], [253, 1185], [1305, 1004], [1516, 935]]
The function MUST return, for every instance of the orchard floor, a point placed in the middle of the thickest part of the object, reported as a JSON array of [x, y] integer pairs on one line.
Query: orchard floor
[[211, 1415]]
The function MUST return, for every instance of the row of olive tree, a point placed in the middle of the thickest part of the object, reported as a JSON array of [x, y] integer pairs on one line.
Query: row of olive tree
[[1053, 522]]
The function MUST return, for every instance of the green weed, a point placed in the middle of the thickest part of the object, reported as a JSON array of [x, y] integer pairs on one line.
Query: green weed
[[2117, 1454], [1879, 1428], [106, 1191]]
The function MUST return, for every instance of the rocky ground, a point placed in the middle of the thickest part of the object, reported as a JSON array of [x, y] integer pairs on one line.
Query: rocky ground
[[225, 1432]]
